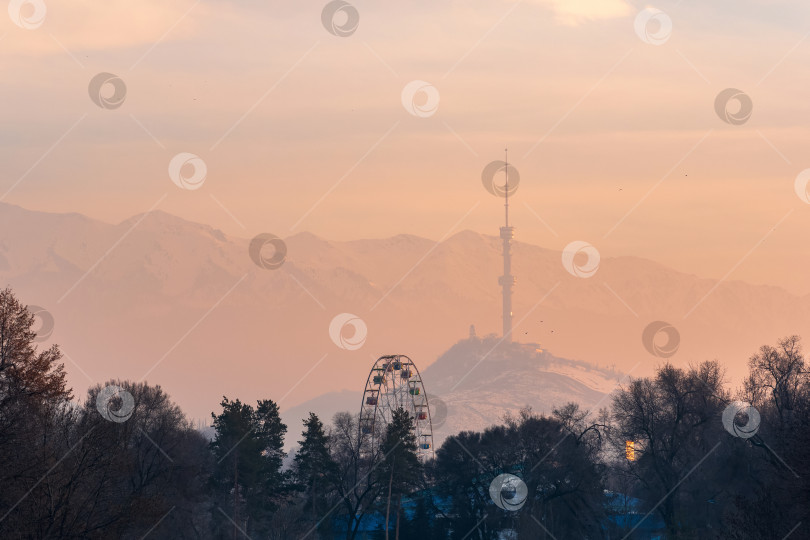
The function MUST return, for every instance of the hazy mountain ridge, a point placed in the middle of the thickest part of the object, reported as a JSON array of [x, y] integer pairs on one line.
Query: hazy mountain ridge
[[159, 289]]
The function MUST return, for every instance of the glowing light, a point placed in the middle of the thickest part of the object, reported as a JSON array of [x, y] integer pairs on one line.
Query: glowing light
[[630, 450]]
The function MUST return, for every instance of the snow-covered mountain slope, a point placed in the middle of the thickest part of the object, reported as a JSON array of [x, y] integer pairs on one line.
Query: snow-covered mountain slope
[[478, 381]]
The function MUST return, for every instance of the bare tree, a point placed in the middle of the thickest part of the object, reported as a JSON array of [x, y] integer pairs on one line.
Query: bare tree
[[357, 456], [673, 419]]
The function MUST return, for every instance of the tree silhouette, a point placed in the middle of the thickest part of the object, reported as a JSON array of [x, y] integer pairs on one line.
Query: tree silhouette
[[248, 480], [674, 420], [315, 470], [357, 485], [25, 373], [33, 398], [400, 466]]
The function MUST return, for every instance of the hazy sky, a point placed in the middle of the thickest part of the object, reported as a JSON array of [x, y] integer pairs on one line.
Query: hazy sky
[[617, 140]]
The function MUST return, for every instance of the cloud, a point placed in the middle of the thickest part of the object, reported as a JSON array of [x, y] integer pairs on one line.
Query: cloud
[[574, 12], [87, 25]]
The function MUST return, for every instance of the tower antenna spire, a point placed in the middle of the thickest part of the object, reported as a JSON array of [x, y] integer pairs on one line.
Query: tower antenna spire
[[506, 183], [507, 280]]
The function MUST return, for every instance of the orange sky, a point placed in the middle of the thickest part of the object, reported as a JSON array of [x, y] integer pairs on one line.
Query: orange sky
[[617, 140]]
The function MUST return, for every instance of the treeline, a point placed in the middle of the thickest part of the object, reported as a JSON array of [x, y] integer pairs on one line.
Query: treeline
[[677, 456]]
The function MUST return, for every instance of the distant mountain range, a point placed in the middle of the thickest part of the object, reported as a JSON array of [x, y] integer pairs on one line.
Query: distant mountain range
[[185, 306]]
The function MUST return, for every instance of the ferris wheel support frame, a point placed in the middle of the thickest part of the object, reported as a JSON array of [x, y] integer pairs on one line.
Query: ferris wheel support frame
[[373, 410]]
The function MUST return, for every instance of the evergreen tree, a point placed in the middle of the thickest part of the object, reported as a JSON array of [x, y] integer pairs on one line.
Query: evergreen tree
[[248, 448], [314, 469], [400, 467]]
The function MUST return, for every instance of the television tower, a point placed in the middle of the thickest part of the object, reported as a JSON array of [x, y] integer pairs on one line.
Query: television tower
[[507, 280]]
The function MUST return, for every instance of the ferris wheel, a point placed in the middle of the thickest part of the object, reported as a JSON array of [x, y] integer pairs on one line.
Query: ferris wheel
[[394, 382]]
